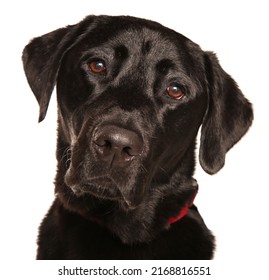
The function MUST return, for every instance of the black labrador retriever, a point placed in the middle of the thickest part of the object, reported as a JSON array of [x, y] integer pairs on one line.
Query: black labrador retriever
[[132, 95]]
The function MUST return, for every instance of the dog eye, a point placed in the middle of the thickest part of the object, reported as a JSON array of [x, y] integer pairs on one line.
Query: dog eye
[[97, 66], [175, 92]]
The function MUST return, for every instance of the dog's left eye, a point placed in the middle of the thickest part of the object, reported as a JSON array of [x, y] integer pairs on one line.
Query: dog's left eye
[[175, 92], [97, 66]]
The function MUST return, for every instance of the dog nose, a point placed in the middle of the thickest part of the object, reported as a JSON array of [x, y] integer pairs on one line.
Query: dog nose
[[116, 145]]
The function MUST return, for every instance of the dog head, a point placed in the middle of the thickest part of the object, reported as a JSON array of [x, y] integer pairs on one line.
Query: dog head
[[132, 95]]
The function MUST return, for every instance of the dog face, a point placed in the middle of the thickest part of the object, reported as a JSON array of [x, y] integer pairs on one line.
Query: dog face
[[127, 109], [132, 95]]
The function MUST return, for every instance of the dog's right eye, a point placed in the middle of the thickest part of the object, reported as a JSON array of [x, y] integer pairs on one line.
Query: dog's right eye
[[97, 66]]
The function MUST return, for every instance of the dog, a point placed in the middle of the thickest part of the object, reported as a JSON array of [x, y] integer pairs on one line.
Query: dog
[[132, 95]]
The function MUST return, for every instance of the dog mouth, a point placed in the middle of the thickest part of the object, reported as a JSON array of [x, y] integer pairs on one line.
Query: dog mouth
[[103, 188]]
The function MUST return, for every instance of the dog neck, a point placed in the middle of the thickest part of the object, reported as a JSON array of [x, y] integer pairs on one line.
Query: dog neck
[[183, 211], [157, 213]]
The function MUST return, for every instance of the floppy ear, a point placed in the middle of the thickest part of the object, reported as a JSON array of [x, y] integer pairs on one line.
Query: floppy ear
[[229, 115], [42, 58]]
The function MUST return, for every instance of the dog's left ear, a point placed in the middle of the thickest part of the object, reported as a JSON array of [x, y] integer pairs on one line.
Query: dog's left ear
[[229, 115]]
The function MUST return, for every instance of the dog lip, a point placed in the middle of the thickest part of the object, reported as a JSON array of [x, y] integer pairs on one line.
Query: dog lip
[[70, 179], [80, 189], [102, 187], [76, 190], [84, 189], [92, 188]]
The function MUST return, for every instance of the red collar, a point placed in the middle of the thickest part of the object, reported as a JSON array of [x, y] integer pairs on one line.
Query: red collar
[[183, 212]]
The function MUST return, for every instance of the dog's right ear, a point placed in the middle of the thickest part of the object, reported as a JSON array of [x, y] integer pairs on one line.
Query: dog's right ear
[[42, 59]]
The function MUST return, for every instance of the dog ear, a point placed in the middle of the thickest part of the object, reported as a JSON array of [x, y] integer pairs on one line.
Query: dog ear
[[229, 115], [42, 59]]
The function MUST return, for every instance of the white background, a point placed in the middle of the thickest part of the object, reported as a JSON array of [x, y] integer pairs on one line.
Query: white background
[[233, 203]]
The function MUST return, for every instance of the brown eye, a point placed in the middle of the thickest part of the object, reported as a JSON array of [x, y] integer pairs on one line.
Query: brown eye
[[175, 92], [97, 66]]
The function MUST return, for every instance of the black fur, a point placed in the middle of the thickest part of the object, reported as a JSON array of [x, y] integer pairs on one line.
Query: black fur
[[116, 204]]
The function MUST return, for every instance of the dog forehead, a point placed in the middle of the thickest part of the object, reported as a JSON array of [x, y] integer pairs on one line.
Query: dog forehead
[[139, 41], [145, 42]]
